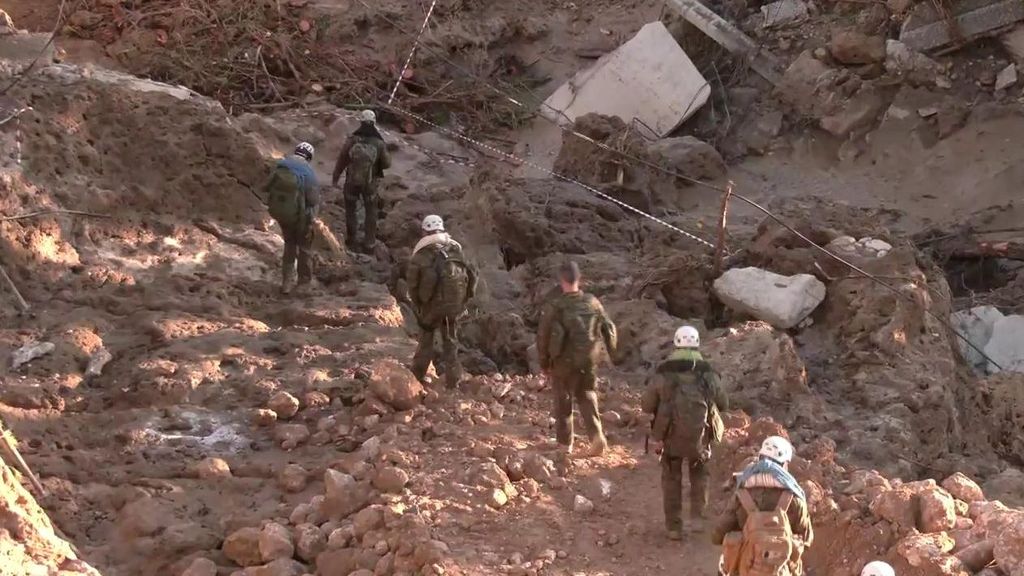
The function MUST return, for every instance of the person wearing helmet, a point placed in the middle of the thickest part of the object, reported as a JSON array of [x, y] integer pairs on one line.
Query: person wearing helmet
[[685, 399], [766, 526], [878, 568], [363, 158], [572, 327], [441, 283], [293, 200]]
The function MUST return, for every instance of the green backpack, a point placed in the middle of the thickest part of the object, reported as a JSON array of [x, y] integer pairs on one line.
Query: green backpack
[[694, 415], [362, 164], [576, 332], [285, 200], [455, 284]]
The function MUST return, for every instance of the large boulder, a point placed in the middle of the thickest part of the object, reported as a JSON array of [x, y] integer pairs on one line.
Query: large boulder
[[938, 511], [1006, 346], [395, 385], [976, 325], [782, 301], [1009, 547]]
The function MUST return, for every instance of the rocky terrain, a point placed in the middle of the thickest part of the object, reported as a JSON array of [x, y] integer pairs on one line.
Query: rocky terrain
[[186, 420]]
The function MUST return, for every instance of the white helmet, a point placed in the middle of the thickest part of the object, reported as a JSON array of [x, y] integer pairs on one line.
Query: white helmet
[[433, 223], [877, 568], [777, 448], [687, 337], [368, 116], [305, 149]]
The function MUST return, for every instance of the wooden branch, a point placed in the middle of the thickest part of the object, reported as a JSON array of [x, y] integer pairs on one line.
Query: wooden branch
[[14, 290]]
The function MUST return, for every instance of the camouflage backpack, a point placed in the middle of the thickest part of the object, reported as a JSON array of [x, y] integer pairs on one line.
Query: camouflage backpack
[[285, 200], [576, 331], [362, 164], [455, 282], [767, 544], [694, 415]]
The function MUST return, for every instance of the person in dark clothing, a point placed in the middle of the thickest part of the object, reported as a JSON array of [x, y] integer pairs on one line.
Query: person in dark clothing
[[363, 158], [293, 199]]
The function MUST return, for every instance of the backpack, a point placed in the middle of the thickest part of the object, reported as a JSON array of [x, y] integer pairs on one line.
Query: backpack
[[362, 164], [767, 545], [691, 412], [286, 201], [455, 282], [576, 332]]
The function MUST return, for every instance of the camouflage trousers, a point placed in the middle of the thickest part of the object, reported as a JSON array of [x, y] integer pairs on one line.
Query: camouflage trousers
[[298, 243], [571, 384], [672, 489], [425, 353], [352, 195]]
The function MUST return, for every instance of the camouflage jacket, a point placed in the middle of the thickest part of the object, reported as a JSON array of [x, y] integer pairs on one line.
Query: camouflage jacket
[[683, 368], [383, 156], [430, 302], [571, 328]]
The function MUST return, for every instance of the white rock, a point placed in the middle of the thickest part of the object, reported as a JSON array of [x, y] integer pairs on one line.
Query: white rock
[[1007, 77], [783, 301], [877, 245], [30, 352], [976, 325], [1006, 347], [582, 505], [783, 12]]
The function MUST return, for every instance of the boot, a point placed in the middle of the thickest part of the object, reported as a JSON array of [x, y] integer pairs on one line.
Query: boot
[[598, 446]]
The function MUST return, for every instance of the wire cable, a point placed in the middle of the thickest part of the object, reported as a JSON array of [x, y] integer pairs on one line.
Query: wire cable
[[412, 51]]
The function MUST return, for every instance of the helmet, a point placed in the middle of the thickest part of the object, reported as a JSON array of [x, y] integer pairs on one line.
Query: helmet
[[777, 448], [877, 568], [433, 223], [305, 149], [687, 337], [368, 116]]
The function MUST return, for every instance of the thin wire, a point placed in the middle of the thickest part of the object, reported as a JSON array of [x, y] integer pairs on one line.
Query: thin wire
[[53, 36], [412, 51], [664, 170]]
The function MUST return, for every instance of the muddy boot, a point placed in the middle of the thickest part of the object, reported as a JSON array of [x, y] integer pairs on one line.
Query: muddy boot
[[287, 285], [598, 446]]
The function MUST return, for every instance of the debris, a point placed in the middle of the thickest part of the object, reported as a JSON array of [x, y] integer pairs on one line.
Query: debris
[[1007, 77], [925, 29], [391, 480], [496, 498], [649, 78], [275, 541], [688, 156], [97, 362], [784, 12], [782, 301], [853, 47], [730, 37], [581, 505], [1006, 346], [395, 385], [309, 542], [284, 405], [976, 325], [1013, 42], [243, 547], [30, 352], [963, 488], [293, 478], [859, 113], [213, 468], [938, 513]]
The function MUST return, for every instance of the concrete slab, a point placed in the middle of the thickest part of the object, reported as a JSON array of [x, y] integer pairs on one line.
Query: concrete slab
[[924, 29], [649, 78]]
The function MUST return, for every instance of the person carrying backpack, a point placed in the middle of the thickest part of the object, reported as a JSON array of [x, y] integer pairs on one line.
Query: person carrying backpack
[[766, 527], [293, 200], [572, 327], [685, 399], [363, 158], [441, 283]]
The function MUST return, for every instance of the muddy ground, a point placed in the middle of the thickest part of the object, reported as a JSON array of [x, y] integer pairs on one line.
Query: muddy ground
[[174, 276]]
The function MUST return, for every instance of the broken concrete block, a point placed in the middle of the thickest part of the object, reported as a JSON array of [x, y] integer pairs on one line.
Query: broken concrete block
[[1006, 346], [30, 352], [649, 78], [783, 12], [976, 325], [903, 61], [1007, 77], [782, 301], [860, 112], [925, 29]]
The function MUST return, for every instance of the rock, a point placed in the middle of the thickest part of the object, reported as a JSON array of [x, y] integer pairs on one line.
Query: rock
[[275, 542], [309, 542], [538, 468], [611, 418], [976, 325], [284, 405], [30, 352], [143, 517], [924, 549], [581, 505], [857, 114], [977, 556], [293, 478], [367, 520], [211, 468], [291, 435], [280, 567], [339, 538], [243, 547], [688, 156], [963, 488], [430, 552], [496, 498], [1009, 547], [395, 385], [903, 61], [1007, 486], [899, 506], [853, 47], [264, 417], [783, 301], [938, 512], [1013, 42], [1007, 77], [1006, 346], [201, 567], [97, 361], [784, 12], [391, 479], [344, 496]]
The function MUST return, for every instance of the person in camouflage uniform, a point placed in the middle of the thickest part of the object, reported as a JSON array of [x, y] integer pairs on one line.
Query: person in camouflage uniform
[[441, 283], [364, 157], [293, 199], [572, 326], [685, 399]]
